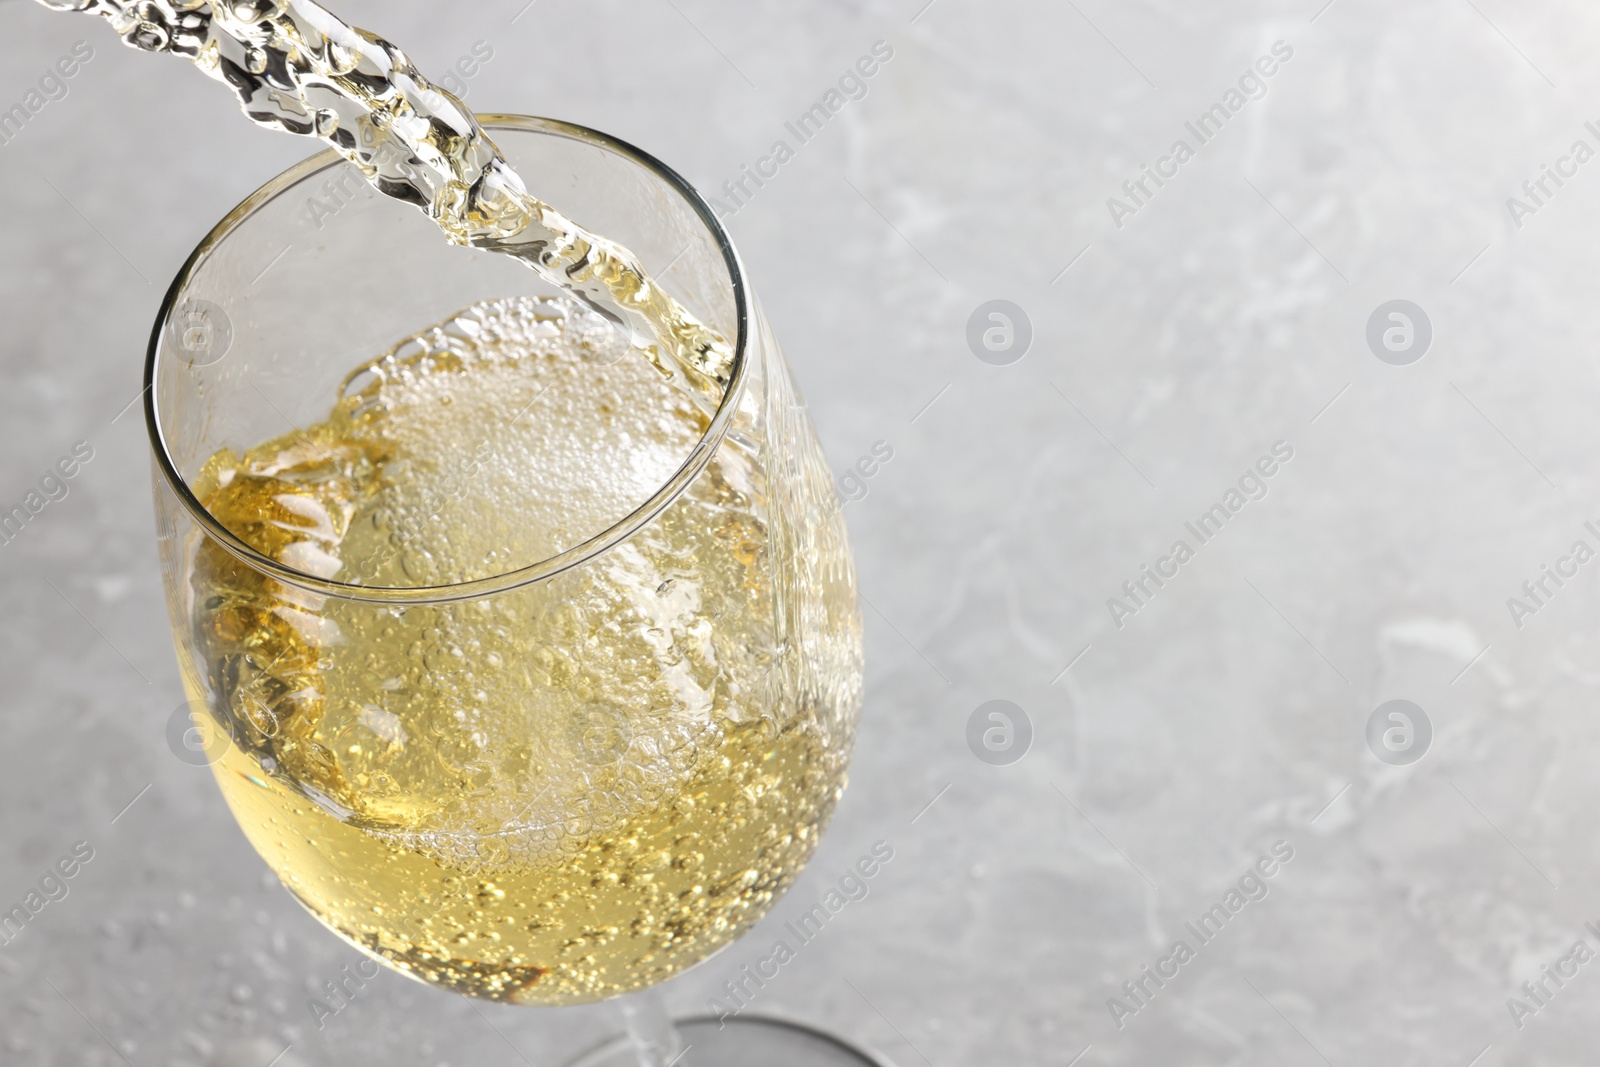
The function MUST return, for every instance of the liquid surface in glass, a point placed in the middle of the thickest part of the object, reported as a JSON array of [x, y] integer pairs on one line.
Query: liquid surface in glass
[[570, 790]]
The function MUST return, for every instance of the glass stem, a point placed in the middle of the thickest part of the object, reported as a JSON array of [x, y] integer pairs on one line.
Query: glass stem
[[651, 1032]]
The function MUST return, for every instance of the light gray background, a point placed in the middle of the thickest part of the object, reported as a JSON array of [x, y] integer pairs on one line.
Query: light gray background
[[1228, 714]]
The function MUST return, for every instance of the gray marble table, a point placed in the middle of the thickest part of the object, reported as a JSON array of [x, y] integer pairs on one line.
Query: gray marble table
[[1188, 312]]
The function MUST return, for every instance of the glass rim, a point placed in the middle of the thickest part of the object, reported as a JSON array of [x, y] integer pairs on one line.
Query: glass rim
[[575, 556]]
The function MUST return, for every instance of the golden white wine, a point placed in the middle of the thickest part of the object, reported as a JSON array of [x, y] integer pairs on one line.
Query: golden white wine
[[566, 791]]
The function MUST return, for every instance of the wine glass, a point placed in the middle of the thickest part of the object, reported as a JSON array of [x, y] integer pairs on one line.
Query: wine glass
[[525, 676]]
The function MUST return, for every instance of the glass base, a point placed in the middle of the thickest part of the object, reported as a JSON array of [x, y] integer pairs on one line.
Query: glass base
[[746, 1041]]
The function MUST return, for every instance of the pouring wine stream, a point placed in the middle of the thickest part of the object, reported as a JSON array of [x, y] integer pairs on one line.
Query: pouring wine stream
[[297, 67]]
